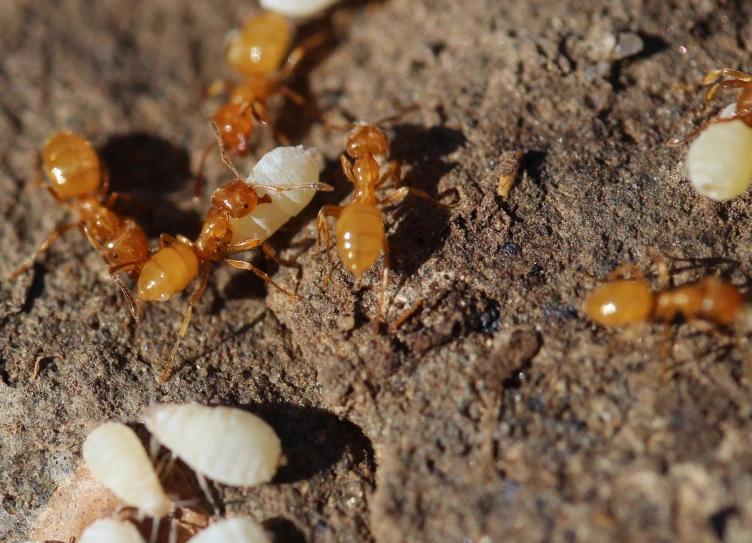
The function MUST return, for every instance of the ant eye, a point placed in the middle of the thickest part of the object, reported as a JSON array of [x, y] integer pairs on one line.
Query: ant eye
[[115, 256]]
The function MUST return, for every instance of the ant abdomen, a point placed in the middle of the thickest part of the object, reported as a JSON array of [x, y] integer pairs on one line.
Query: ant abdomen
[[72, 165], [620, 302], [261, 45], [169, 271], [360, 235]]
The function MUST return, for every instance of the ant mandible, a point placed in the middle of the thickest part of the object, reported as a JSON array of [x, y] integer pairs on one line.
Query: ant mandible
[[621, 301], [256, 51], [77, 180], [179, 261], [715, 80], [359, 233]]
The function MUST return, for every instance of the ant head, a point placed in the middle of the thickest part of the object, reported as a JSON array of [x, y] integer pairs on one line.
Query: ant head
[[367, 139], [237, 198]]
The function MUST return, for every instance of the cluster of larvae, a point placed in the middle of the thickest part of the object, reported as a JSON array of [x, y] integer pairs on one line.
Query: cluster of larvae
[[207, 439]]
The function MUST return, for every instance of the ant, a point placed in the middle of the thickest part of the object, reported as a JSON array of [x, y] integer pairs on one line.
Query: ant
[[715, 80], [78, 181], [360, 233], [622, 301], [179, 261], [256, 51]]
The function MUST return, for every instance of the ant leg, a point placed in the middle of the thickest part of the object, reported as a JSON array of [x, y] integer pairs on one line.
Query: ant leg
[[218, 86], [292, 95], [199, 181], [728, 84], [663, 273], [187, 319], [406, 315], [250, 267], [127, 293], [58, 199], [347, 169], [252, 244], [397, 116], [744, 115], [113, 197], [261, 115], [384, 284], [297, 54], [323, 226], [398, 194], [42, 248], [623, 270], [105, 186], [394, 171], [165, 240]]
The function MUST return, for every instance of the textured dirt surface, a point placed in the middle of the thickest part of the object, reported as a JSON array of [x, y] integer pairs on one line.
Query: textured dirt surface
[[497, 412]]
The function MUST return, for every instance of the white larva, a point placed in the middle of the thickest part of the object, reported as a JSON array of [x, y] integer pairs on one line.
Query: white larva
[[234, 530], [225, 444], [111, 531], [281, 167], [297, 8], [114, 455], [719, 161]]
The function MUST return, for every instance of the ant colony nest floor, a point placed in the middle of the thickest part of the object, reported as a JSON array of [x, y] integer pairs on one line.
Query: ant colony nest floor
[[496, 412]]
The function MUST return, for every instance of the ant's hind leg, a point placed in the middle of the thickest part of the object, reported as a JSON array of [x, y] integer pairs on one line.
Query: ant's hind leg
[[42, 248], [250, 267], [399, 194], [260, 114], [187, 319], [252, 244], [394, 171], [323, 227], [384, 284]]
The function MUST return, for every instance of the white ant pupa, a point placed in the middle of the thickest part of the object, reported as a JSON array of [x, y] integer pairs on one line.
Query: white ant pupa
[[234, 530], [225, 444], [297, 8], [282, 167], [115, 456], [111, 531], [719, 161]]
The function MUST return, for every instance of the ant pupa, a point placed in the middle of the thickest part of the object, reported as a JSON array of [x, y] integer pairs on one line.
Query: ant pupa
[[225, 444], [233, 530], [719, 164], [281, 167], [359, 234], [115, 456], [179, 260], [297, 8], [77, 180], [109, 530], [256, 51]]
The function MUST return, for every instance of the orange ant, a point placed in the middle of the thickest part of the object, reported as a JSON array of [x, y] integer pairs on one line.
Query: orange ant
[[77, 181], [256, 51], [623, 301], [714, 79], [179, 261], [359, 233]]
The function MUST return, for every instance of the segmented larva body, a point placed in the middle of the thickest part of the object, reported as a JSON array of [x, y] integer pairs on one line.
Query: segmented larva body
[[297, 8], [281, 167], [719, 161], [115, 456], [111, 531], [234, 530], [225, 444]]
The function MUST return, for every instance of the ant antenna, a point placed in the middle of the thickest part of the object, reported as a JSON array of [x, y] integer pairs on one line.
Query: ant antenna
[[225, 158]]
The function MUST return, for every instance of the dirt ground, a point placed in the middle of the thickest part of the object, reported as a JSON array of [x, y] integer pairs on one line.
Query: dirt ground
[[498, 412]]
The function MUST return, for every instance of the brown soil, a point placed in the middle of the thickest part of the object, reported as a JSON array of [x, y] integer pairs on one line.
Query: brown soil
[[498, 412]]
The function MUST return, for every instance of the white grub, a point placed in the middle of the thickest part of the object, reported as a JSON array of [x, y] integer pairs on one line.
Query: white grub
[[719, 161], [114, 455], [111, 531], [234, 530], [281, 167], [297, 8], [225, 444]]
